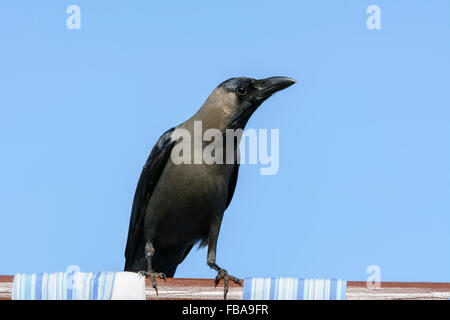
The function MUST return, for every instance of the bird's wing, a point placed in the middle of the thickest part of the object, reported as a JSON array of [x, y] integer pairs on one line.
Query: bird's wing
[[232, 184], [147, 181]]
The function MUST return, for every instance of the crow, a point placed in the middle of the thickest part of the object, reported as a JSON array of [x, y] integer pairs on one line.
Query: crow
[[178, 204]]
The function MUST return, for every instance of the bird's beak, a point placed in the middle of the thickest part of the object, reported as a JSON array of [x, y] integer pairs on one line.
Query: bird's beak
[[267, 87]]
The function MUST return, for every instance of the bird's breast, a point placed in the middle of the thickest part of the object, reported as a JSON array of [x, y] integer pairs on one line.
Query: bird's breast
[[184, 200]]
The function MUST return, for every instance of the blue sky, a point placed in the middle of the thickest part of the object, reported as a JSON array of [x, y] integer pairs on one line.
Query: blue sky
[[364, 173]]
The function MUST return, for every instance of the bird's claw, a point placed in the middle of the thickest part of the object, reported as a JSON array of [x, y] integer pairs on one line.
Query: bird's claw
[[153, 276], [223, 274]]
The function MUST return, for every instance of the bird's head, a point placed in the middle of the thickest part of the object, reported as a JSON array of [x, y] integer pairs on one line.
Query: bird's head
[[242, 96]]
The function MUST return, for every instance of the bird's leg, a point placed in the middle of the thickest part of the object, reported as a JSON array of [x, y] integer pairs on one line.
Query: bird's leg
[[150, 273], [211, 259]]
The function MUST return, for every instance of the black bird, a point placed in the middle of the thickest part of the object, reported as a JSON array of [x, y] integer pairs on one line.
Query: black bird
[[178, 205]]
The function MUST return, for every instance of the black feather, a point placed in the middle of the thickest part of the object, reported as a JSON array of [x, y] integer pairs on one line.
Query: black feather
[[147, 181]]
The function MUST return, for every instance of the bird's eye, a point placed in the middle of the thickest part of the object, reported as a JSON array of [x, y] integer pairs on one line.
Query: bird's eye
[[242, 91]]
